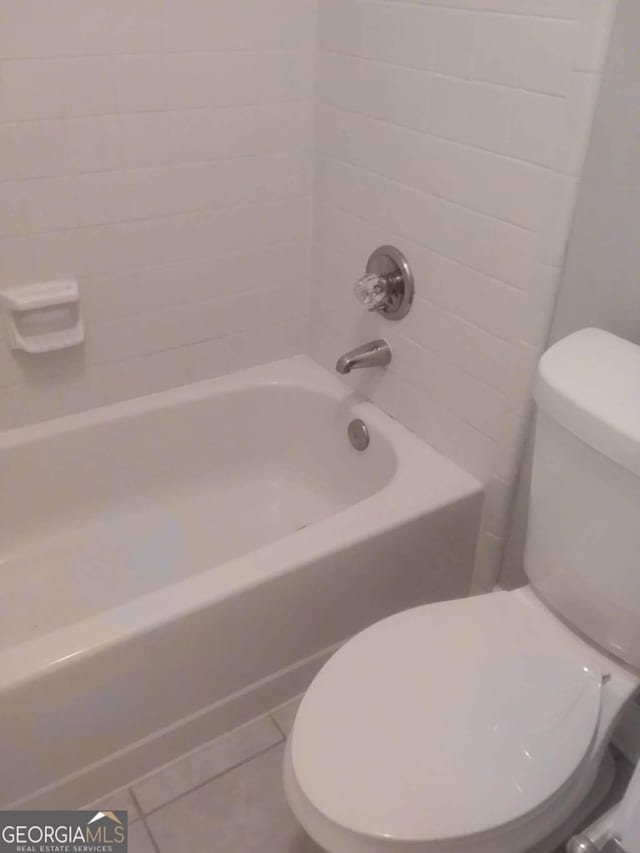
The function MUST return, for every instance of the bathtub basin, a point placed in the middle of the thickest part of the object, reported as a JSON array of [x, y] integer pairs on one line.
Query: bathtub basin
[[175, 565]]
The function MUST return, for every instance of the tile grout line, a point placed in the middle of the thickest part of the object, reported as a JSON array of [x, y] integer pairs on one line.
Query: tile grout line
[[326, 101], [151, 835], [434, 72], [190, 753], [168, 165], [236, 207], [142, 819], [157, 111], [427, 193], [159, 52], [131, 793], [333, 206], [173, 800], [278, 726]]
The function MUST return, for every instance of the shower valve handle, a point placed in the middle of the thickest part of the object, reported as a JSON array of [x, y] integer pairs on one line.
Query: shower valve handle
[[372, 290]]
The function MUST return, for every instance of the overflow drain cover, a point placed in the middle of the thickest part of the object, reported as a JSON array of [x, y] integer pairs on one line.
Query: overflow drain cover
[[358, 434]]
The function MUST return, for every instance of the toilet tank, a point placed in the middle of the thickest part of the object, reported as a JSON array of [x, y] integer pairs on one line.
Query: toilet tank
[[582, 552]]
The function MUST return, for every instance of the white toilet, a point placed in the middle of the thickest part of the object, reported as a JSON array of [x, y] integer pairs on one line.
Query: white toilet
[[482, 724]]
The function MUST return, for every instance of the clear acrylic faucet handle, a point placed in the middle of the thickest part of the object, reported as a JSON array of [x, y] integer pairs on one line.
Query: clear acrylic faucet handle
[[371, 291]]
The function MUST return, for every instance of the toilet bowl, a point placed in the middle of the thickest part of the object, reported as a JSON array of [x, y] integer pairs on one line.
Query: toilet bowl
[[482, 724], [474, 725]]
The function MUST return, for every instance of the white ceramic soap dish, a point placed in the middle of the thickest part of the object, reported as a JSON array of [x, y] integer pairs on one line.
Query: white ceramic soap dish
[[43, 317]]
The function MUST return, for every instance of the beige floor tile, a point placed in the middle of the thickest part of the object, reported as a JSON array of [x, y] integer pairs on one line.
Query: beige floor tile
[[244, 811], [120, 800], [204, 764], [140, 840], [285, 715]]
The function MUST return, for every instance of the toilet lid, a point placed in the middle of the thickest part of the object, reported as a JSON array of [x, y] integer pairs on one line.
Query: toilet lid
[[445, 721]]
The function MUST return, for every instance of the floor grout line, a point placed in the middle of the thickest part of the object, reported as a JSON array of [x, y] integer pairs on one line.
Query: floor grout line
[[132, 794], [152, 837], [170, 802], [143, 820], [132, 783], [278, 726]]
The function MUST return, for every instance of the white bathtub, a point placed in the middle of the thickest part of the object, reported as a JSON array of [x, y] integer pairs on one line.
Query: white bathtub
[[175, 565]]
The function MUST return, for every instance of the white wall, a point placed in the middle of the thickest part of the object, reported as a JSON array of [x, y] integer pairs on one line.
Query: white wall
[[601, 280], [160, 152], [455, 129], [600, 283]]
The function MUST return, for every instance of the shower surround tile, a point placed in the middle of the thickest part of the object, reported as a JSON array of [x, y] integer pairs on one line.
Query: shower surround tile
[[457, 131], [136, 141]]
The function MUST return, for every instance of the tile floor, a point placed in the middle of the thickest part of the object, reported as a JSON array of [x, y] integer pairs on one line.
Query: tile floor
[[225, 797]]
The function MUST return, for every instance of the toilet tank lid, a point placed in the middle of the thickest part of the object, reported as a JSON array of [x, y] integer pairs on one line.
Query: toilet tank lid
[[589, 383]]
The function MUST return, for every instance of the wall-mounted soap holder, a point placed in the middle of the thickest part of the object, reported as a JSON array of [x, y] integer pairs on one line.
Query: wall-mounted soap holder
[[43, 317], [388, 286]]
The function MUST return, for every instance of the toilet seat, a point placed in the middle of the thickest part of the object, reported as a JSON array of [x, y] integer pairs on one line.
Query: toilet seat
[[445, 722]]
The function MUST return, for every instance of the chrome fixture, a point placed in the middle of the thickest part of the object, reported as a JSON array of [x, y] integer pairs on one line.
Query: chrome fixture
[[388, 285], [614, 845], [581, 844], [373, 354], [358, 434]]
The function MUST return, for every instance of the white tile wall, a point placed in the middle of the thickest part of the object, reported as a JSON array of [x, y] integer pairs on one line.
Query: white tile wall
[[162, 153], [455, 129]]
